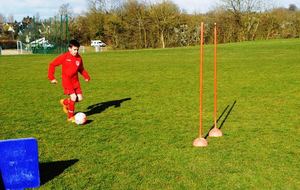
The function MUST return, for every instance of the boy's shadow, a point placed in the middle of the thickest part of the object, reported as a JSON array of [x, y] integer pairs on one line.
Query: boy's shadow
[[100, 107]]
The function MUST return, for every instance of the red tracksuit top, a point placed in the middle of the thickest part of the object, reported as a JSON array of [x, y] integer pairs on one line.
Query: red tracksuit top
[[71, 65]]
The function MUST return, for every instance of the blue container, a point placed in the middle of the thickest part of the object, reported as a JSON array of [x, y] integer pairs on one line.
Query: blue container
[[19, 164]]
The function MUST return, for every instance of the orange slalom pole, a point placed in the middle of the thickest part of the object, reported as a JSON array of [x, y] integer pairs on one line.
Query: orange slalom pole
[[215, 132], [215, 75], [201, 82], [200, 141]]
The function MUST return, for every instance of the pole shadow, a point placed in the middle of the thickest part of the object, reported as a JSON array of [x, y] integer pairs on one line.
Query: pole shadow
[[100, 107], [50, 170], [228, 113]]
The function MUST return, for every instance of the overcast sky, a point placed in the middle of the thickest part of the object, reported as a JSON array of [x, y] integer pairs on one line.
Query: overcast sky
[[48, 8]]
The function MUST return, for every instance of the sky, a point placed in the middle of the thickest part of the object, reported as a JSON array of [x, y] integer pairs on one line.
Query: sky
[[49, 8]]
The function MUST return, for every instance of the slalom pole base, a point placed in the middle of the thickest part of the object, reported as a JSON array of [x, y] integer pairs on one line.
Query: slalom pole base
[[200, 142], [215, 132]]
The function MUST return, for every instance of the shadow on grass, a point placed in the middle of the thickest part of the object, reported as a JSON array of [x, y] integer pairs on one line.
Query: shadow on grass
[[88, 121], [100, 107], [50, 170], [225, 118], [1, 182]]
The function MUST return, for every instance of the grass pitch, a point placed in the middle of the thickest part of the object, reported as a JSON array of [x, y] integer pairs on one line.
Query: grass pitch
[[142, 108]]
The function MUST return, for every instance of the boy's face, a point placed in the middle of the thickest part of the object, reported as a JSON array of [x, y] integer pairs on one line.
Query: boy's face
[[73, 50]]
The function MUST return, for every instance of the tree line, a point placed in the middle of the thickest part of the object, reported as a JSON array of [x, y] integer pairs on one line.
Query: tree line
[[133, 24]]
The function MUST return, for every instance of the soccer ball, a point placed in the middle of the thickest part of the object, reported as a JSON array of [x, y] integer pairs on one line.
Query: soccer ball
[[80, 118]]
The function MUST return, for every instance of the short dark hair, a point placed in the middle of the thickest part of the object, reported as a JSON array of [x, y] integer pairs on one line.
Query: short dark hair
[[74, 43]]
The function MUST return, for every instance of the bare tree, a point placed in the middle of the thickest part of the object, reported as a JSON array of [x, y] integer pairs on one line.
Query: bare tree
[[65, 9], [245, 17], [244, 5], [104, 5], [165, 15], [135, 12]]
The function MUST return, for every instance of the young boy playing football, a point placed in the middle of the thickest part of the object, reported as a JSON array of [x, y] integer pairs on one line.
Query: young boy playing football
[[71, 64]]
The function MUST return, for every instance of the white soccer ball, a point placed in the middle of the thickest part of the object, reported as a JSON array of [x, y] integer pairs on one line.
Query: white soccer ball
[[80, 118]]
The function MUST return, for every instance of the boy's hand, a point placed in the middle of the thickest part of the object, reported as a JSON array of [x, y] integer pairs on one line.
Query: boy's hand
[[87, 80], [54, 81]]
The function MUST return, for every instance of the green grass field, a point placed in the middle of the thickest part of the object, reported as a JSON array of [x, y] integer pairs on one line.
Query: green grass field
[[143, 116]]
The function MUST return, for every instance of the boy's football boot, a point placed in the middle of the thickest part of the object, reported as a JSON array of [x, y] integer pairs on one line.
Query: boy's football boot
[[71, 119], [65, 107]]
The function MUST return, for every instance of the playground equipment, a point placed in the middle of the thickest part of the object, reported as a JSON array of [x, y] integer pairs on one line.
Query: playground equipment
[[42, 42]]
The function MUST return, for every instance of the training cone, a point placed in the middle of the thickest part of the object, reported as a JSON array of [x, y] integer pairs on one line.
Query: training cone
[[200, 142], [215, 132]]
